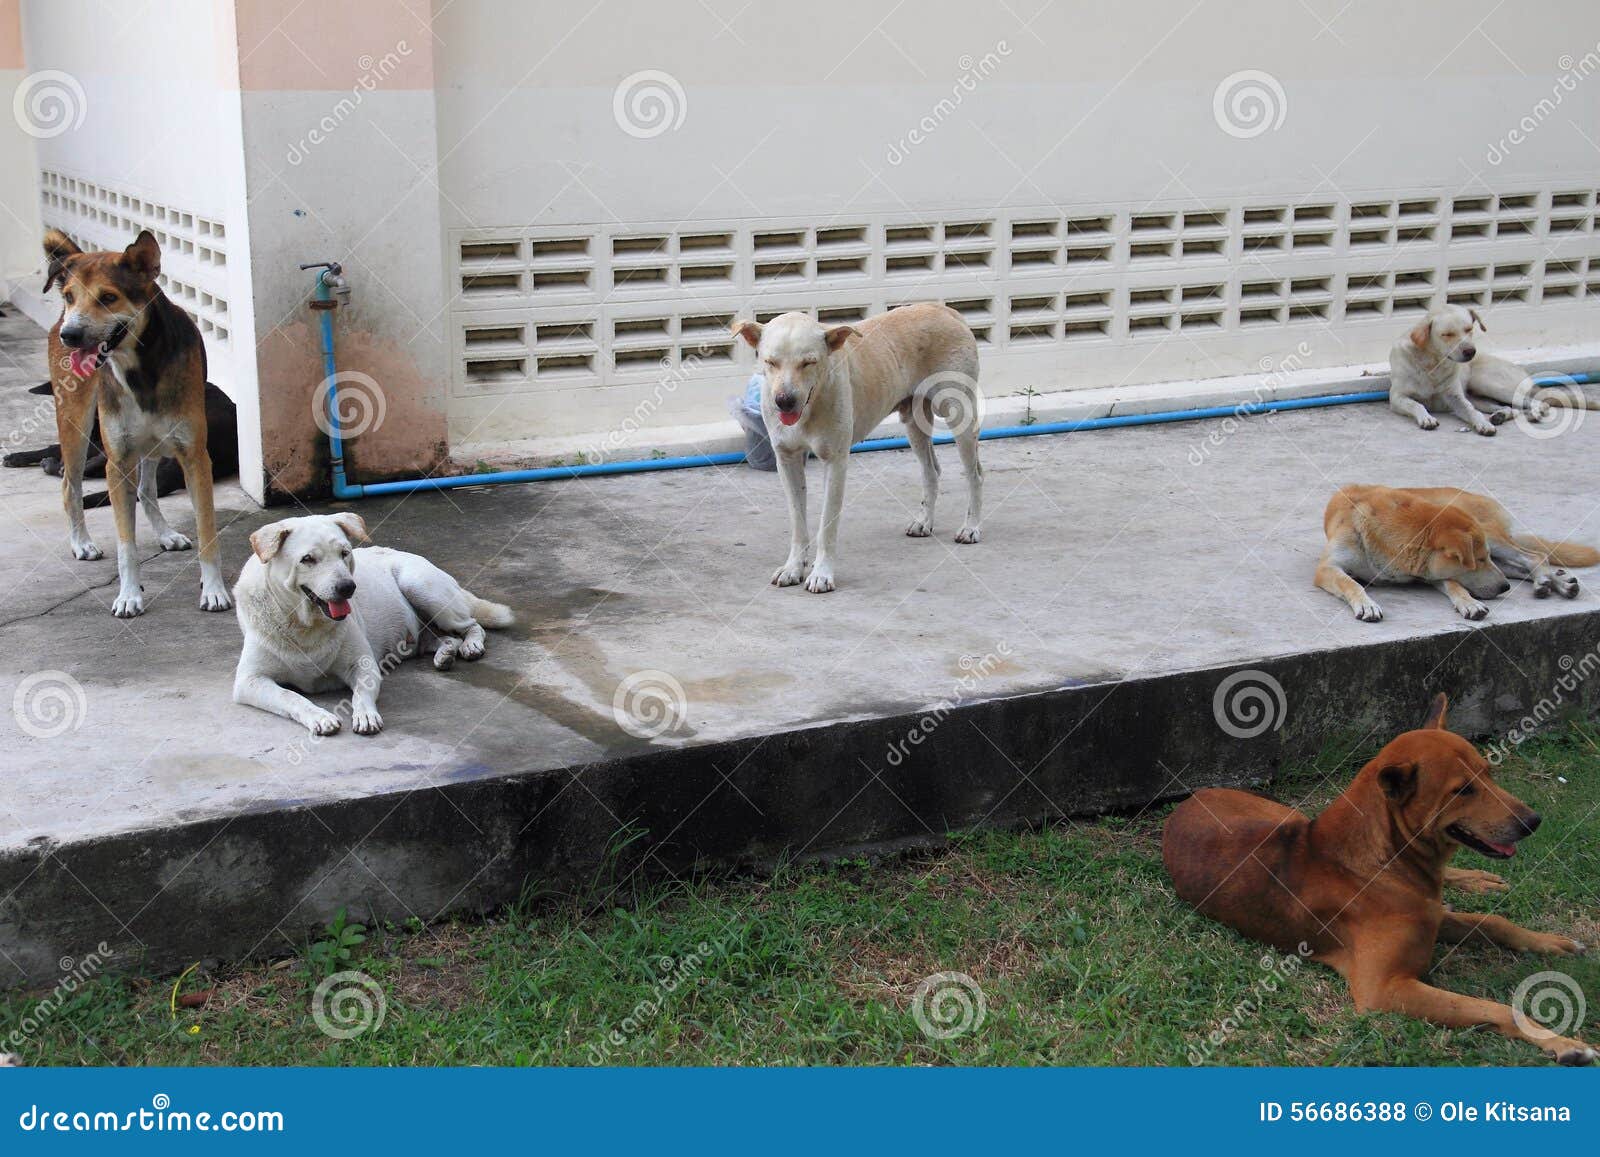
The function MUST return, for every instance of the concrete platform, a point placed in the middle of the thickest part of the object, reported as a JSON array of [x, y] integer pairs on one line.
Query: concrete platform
[[1066, 664]]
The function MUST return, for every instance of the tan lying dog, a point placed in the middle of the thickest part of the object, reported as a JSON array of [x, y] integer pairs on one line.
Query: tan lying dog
[[1462, 543], [826, 388], [1361, 886], [1437, 366]]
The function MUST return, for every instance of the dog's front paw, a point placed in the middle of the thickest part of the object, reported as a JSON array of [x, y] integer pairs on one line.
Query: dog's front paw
[[172, 540], [821, 580], [1556, 945], [920, 528], [444, 659], [471, 650], [366, 722], [128, 605], [87, 551], [1486, 429], [789, 574], [1476, 881], [215, 600], [968, 534], [1538, 411], [1428, 422], [1503, 415], [1367, 611], [1471, 609], [322, 722], [1564, 583]]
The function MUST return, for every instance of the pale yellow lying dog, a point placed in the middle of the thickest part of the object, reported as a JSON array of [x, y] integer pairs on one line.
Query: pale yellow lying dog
[[826, 388]]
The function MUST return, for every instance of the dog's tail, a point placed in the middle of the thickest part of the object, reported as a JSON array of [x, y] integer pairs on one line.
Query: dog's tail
[[497, 616], [1559, 553], [96, 500], [1572, 396]]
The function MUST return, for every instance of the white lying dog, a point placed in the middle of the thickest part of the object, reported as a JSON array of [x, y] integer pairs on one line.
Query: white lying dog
[[1437, 365], [823, 392], [305, 626]]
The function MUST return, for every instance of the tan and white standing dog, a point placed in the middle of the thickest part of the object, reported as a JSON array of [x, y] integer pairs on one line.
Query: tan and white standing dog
[[121, 344], [825, 388], [1437, 366], [305, 626]]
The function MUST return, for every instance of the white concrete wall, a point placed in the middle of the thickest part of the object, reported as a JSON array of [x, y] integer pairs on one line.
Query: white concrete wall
[[877, 116], [19, 199], [147, 135]]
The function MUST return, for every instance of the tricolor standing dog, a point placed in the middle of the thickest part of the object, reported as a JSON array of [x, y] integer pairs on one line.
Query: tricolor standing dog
[[121, 344], [1361, 887], [827, 387]]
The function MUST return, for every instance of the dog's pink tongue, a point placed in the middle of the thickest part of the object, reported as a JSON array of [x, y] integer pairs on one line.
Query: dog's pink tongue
[[1503, 849], [338, 608], [788, 417], [83, 362]]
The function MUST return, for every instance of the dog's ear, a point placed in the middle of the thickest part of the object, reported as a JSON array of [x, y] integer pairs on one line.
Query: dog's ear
[[749, 330], [1421, 332], [1436, 710], [58, 250], [1476, 320], [839, 334], [1398, 781], [268, 541], [143, 256], [353, 525]]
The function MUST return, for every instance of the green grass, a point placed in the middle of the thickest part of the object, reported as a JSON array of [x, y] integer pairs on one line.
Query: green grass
[[1082, 953]]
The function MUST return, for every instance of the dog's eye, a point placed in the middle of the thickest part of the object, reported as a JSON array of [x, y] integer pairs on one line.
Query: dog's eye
[[108, 299], [309, 560], [809, 362], [1466, 789], [66, 296]]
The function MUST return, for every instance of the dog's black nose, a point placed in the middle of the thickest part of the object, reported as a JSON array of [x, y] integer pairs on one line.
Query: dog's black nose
[[1468, 352], [1530, 823], [72, 337], [784, 402], [344, 589]]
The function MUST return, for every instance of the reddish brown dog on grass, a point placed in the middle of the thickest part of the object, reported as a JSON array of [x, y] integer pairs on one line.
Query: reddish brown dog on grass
[[1361, 885]]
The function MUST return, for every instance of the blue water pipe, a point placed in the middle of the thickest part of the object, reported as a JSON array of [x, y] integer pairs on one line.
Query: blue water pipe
[[331, 283]]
